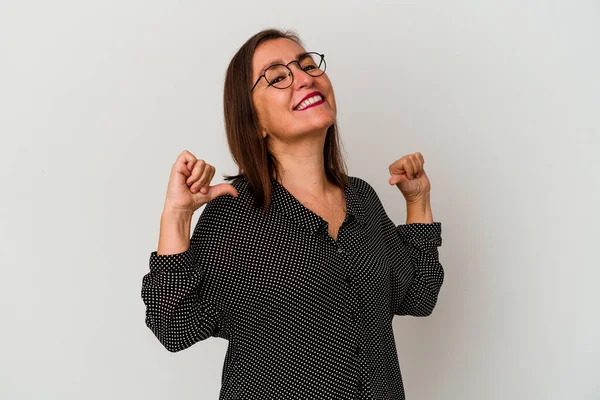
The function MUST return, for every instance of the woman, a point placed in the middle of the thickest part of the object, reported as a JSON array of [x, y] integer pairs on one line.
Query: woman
[[295, 263]]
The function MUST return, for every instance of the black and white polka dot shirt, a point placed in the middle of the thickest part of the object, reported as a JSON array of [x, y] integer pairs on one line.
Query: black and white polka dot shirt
[[305, 316]]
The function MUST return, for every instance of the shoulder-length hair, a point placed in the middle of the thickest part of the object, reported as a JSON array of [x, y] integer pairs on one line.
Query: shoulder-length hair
[[249, 150]]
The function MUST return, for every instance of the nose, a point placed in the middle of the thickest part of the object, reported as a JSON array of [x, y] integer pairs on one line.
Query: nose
[[301, 78]]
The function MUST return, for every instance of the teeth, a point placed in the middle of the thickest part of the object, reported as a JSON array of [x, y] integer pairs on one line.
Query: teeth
[[308, 102]]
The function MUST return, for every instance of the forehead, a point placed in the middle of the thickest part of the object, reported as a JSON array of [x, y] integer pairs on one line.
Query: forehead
[[284, 50]]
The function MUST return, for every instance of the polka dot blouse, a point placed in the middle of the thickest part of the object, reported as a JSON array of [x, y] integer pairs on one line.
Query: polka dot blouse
[[305, 316]]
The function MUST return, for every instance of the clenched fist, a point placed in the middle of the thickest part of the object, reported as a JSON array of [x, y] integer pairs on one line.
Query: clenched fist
[[189, 184], [409, 176]]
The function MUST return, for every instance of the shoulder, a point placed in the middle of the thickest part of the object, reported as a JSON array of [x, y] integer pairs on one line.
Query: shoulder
[[366, 195], [228, 205], [359, 183], [362, 188]]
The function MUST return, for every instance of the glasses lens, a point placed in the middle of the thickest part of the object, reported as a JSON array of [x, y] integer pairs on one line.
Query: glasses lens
[[279, 76], [313, 64]]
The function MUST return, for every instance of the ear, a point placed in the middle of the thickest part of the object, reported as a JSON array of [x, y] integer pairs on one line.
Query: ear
[[264, 134]]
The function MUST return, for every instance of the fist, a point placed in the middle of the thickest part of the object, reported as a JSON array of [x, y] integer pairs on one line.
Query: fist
[[189, 184], [409, 176]]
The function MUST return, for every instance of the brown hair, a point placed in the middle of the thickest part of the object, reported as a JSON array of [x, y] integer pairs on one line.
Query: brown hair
[[246, 145]]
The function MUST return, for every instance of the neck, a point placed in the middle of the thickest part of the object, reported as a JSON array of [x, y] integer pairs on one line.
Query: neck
[[302, 165]]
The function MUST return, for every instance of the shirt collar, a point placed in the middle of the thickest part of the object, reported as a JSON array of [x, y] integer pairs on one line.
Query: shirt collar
[[285, 202]]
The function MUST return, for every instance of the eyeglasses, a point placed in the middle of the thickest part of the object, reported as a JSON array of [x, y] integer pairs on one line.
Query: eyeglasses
[[281, 77]]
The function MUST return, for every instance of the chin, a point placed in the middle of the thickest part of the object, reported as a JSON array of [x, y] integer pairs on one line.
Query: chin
[[322, 120], [321, 126], [313, 120]]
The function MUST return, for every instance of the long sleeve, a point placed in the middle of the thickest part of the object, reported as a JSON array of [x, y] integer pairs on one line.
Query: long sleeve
[[420, 242], [175, 312]]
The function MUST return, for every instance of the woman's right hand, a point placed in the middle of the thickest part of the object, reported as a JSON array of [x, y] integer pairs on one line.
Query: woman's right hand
[[189, 182]]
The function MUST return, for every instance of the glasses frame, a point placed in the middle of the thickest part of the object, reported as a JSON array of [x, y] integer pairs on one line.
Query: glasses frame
[[291, 73]]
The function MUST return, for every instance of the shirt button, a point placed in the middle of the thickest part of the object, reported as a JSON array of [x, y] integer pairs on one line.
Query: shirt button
[[352, 315], [348, 280], [340, 250], [357, 350], [360, 385]]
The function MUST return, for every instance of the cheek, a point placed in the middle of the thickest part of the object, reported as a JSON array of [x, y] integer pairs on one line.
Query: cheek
[[332, 101], [330, 90], [271, 111], [262, 113]]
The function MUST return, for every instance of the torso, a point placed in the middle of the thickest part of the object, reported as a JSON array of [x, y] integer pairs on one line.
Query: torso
[[334, 211], [334, 222]]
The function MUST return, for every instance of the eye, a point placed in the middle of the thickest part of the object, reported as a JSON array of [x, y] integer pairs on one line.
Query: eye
[[309, 67], [277, 79], [277, 74]]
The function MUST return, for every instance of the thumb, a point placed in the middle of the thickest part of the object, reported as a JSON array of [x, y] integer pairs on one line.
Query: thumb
[[222, 189], [394, 179]]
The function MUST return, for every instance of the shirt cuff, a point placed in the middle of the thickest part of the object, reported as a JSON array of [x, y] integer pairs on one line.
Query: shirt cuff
[[171, 262], [418, 233]]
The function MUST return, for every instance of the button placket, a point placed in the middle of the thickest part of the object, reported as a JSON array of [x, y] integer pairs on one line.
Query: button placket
[[350, 282]]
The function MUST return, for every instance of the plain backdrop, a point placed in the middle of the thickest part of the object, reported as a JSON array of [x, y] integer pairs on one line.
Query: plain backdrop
[[502, 98]]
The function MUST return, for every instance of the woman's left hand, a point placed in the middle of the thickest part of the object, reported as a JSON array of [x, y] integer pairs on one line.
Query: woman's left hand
[[409, 176]]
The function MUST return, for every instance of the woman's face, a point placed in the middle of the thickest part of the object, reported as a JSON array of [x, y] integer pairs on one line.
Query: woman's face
[[281, 113]]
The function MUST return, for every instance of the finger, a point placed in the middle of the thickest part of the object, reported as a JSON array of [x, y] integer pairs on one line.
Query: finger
[[420, 157], [418, 160], [189, 159], [201, 182], [417, 164], [206, 187], [197, 172], [397, 167], [181, 168], [183, 161], [186, 157], [195, 188], [397, 170], [408, 167], [222, 189], [206, 181], [394, 179], [191, 164], [414, 166]]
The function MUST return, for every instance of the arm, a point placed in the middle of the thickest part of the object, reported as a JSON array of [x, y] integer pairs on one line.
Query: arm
[[416, 274], [421, 237], [175, 313], [417, 293], [174, 234], [419, 211]]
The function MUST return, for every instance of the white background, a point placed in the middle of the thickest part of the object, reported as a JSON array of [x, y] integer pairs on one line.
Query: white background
[[502, 98]]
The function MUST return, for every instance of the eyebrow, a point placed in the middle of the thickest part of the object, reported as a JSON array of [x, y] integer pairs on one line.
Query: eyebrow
[[280, 61]]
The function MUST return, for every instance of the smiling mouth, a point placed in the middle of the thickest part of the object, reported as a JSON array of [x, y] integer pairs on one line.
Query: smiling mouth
[[310, 102]]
